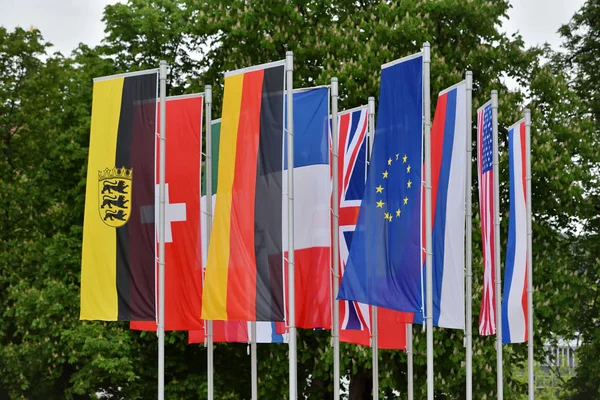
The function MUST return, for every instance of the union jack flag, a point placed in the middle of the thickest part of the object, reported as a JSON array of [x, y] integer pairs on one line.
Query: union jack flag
[[352, 153], [485, 156]]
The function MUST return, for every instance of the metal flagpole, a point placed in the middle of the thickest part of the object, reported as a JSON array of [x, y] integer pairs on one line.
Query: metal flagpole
[[253, 361], [497, 248], [209, 325], [428, 237], [336, 240], [409, 356], [468, 232], [374, 322], [289, 70], [529, 257], [161, 232]]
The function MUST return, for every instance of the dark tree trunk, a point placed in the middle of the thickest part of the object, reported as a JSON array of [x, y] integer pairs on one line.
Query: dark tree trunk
[[361, 384]]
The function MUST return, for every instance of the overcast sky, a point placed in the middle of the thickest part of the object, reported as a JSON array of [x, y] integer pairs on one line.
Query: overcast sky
[[66, 23]]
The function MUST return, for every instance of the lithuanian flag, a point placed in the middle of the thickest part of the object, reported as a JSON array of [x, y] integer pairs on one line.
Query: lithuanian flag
[[117, 271], [244, 270]]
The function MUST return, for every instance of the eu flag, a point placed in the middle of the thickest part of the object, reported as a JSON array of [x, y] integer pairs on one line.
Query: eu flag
[[384, 264]]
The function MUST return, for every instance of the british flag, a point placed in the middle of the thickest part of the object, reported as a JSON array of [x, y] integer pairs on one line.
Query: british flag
[[355, 317], [352, 126], [485, 156]]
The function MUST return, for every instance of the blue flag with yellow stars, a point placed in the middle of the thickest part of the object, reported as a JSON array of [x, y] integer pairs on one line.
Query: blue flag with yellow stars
[[384, 264]]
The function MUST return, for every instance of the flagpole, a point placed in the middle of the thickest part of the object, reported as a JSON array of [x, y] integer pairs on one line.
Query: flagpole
[[374, 322], [428, 237], [209, 325], [468, 226], [161, 232], [289, 70], [336, 239], [529, 256], [253, 361], [409, 356], [497, 248]]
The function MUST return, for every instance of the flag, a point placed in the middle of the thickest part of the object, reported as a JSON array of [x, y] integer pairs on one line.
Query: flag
[[355, 317], [243, 279], [239, 332], [384, 262], [448, 179], [514, 301], [117, 266], [312, 212], [226, 331], [485, 168], [183, 269]]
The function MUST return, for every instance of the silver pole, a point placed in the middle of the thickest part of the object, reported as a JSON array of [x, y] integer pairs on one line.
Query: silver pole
[[209, 324], [253, 361], [289, 65], [374, 322], [428, 238], [161, 231], [529, 257], [409, 357], [469, 238], [336, 240], [497, 248]]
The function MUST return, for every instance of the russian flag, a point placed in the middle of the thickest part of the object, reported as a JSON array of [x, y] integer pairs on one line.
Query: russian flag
[[514, 301], [448, 177]]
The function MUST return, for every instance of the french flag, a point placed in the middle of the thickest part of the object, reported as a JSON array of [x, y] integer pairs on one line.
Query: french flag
[[514, 301], [448, 177]]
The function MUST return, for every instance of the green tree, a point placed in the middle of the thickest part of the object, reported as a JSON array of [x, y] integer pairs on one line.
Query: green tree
[[46, 352]]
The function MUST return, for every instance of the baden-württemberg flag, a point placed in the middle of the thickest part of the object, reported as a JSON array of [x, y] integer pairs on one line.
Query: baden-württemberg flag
[[117, 271]]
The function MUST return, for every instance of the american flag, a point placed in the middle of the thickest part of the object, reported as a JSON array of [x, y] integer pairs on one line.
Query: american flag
[[352, 172], [485, 157]]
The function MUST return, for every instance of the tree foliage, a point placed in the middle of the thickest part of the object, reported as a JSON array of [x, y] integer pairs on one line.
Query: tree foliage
[[45, 102]]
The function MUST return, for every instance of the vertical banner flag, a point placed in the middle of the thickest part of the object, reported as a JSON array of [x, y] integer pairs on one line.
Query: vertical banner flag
[[183, 271], [514, 301], [312, 188], [485, 168], [384, 262], [117, 271], [312, 246], [448, 179], [244, 270], [355, 317]]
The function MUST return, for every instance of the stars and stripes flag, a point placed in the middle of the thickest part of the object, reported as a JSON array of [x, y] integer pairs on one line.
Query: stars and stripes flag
[[485, 168]]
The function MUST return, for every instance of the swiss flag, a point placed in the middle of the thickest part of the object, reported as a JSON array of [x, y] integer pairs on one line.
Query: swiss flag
[[183, 263]]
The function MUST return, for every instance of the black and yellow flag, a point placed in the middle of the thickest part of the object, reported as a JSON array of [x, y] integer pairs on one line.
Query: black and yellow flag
[[118, 260]]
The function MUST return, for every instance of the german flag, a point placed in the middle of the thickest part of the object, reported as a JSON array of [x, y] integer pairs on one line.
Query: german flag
[[117, 271], [243, 279]]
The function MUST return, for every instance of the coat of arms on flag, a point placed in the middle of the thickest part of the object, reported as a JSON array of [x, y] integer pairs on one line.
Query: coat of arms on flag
[[114, 195]]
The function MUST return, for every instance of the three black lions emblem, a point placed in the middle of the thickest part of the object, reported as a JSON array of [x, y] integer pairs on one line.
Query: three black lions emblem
[[114, 195]]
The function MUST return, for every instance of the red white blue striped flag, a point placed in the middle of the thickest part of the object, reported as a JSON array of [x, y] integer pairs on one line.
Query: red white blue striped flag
[[514, 301], [485, 167]]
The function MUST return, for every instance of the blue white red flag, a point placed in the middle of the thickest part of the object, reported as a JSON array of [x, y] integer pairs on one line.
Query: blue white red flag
[[448, 177], [485, 167], [514, 301], [384, 262], [312, 209]]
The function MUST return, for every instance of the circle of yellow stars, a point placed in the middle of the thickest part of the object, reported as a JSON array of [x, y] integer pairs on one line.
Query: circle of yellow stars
[[389, 216]]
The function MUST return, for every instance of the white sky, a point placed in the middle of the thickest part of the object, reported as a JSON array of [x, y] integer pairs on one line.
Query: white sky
[[66, 23]]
